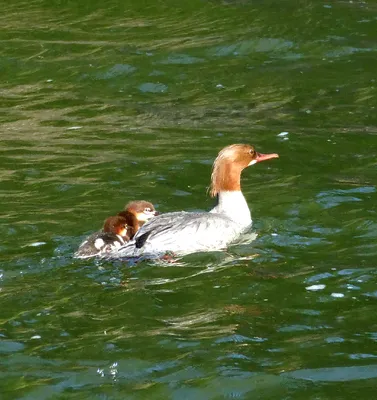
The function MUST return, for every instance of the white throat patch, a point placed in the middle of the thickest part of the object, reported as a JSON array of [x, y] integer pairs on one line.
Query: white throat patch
[[233, 204]]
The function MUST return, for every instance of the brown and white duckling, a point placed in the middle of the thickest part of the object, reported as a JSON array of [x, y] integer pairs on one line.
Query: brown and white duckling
[[141, 209], [117, 230], [113, 235], [137, 213]]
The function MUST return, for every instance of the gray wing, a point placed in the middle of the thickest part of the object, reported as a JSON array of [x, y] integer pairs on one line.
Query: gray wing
[[182, 232]]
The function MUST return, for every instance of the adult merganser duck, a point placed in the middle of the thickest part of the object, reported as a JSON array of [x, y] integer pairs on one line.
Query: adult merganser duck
[[189, 232], [117, 230]]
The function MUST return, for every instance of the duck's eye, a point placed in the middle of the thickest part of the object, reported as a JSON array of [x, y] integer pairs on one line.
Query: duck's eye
[[147, 209], [252, 151]]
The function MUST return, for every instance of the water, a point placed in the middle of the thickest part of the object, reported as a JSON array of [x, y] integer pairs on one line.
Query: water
[[103, 103]]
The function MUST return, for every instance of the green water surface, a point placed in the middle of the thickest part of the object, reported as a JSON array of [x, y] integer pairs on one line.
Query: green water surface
[[103, 102]]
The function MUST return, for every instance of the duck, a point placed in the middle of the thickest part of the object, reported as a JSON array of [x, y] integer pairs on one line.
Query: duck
[[181, 233], [113, 235], [140, 210], [117, 230]]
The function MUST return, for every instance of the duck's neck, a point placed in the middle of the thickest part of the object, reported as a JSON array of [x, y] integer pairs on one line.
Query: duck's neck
[[232, 203]]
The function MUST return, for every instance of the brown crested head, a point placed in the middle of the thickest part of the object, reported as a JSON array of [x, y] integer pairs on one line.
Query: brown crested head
[[143, 210], [230, 162], [117, 225]]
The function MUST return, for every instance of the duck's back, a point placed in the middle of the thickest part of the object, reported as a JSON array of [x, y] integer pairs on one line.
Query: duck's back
[[182, 233], [99, 243]]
